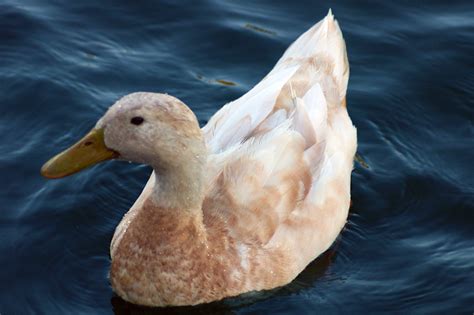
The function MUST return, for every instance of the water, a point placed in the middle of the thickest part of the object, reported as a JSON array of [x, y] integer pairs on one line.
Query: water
[[409, 244]]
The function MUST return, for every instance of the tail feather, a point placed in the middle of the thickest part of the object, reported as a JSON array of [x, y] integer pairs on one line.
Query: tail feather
[[307, 85], [323, 40]]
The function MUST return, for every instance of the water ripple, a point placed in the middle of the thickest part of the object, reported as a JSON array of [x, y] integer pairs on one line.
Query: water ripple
[[407, 245]]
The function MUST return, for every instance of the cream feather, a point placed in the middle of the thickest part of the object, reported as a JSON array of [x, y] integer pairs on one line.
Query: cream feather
[[276, 186]]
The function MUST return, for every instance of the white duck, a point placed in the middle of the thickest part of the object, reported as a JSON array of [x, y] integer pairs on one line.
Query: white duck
[[247, 202]]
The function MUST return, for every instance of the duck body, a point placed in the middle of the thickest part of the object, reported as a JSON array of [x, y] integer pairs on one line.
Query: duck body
[[247, 202]]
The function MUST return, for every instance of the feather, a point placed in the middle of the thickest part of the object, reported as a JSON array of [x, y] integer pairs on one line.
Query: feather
[[276, 187]]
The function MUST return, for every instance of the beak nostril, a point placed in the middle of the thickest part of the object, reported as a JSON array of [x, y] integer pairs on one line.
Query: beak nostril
[[88, 151]]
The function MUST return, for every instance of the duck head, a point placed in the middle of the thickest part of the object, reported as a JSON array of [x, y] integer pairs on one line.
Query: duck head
[[150, 128]]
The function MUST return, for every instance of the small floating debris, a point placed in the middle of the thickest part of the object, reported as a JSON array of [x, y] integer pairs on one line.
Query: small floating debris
[[259, 29], [225, 82], [358, 158], [215, 81]]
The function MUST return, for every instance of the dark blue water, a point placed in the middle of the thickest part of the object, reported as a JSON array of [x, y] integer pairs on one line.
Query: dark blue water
[[409, 244]]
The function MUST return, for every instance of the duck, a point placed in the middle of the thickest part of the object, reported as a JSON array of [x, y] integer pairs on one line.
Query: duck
[[242, 204]]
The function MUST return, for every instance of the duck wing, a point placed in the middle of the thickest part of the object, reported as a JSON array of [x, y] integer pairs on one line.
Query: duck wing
[[269, 148]]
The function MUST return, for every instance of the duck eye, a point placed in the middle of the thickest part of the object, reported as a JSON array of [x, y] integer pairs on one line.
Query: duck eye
[[137, 120]]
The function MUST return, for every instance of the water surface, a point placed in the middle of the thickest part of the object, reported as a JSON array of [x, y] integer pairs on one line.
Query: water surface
[[408, 246]]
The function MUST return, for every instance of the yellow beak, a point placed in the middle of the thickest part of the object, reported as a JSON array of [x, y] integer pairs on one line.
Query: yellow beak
[[86, 152]]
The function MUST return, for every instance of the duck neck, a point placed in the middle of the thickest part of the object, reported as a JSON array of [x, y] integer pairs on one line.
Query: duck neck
[[179, 184]]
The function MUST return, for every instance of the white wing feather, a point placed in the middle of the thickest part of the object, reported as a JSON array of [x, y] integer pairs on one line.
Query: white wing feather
[[296, 113]]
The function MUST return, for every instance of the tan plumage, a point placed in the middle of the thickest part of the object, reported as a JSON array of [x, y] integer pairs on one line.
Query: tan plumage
[[246, 203], [276, 188]]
